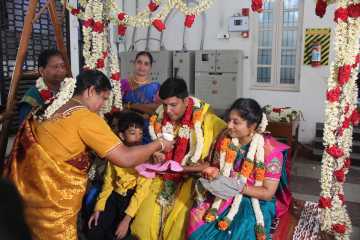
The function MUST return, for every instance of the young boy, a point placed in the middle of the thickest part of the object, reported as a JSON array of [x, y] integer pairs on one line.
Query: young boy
[[123, 189]]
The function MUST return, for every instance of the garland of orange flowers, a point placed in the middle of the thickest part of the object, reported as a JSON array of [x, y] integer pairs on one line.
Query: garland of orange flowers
[[229, 149]]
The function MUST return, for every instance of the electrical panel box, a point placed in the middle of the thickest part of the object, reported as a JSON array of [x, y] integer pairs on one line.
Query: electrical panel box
[[184, 67], [219, 77], [239, 24], [161, 67]]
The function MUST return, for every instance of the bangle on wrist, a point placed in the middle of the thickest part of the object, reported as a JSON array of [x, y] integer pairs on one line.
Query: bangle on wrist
[[162, 145]]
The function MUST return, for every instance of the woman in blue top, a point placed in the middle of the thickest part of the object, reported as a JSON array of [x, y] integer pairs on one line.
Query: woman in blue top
[[139, 93]]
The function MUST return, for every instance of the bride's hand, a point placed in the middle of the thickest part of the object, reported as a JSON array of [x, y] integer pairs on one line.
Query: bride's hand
[[210, 173]]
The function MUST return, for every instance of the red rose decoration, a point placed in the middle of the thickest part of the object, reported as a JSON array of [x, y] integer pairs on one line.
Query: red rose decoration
[[333, 95], [88, 23], [335, 151], [346, 123], [75, 11], [100, 63], [98, 27], [344, 74], [122, 29], [320, 9], [45, 94], [153, 6], [256, 5], [325, 202], [341, 13], [115, 76], [342, 198], [339, 175], [354, 10], [277, 110], [189, 20], [339, 228], [121, 16], [159, 25], [347, 163], [105, 54]]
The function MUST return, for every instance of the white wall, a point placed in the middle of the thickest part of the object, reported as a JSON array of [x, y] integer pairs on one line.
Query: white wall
[[310, 98]]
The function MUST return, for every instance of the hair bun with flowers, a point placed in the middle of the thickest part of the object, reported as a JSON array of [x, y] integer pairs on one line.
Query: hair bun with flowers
[[263, 124]]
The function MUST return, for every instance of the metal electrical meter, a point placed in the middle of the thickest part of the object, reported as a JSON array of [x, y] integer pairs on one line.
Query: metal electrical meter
[[218, 77], [184, 67], [161, 67]]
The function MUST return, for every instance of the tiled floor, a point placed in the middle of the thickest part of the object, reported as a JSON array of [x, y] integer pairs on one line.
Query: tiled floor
[[305, 185]]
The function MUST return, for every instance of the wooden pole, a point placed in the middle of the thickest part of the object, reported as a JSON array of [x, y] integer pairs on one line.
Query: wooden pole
[[58, 34], [20, 58]]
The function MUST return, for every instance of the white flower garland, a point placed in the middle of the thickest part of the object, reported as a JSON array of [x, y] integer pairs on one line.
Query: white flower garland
[[333, 212], [142, 18], [63, 96], [40, 84]]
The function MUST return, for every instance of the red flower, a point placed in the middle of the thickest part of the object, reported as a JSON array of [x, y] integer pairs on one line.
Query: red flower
[[347, 163], [88, 23], [342, 198], [320, 9], [105, 54], [98, 27], [346, 123], [340, 175], [341, 13], [325, 202], [357, 61], [189, 20], [256, 5], [100, 63], [344, 74], [115, 76], [277, 110], [46, 94], [75, 11], [121, 16], [354, 10], [153, 6], [355, 117], [122, 29], [333, 95], [335, 151], [159, 25], [339, 228], [347, 107]]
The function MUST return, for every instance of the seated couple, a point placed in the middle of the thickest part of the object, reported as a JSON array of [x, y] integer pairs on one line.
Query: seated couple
[[242, 170]]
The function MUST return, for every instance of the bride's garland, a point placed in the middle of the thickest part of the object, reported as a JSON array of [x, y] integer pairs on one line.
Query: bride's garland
[[340, 117], [160, 124], [229, 149]]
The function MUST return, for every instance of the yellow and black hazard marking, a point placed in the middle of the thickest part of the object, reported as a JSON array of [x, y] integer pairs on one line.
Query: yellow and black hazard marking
[[321, 35]]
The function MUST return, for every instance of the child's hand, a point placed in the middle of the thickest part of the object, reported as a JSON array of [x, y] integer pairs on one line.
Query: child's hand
[[123, 227], [158, 157], [94, 217], [210, 173]]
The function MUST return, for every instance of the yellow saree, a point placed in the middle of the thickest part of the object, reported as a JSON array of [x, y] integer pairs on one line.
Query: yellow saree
[[49, 166], [149, 223]]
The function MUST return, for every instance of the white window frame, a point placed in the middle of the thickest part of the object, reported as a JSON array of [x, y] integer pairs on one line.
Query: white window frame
[[277, 25]]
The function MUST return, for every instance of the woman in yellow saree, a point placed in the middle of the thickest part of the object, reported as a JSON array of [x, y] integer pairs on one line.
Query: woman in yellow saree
[[49, 160]]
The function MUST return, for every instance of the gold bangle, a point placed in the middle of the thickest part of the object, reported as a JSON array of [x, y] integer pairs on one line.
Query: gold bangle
[[162, 145]]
